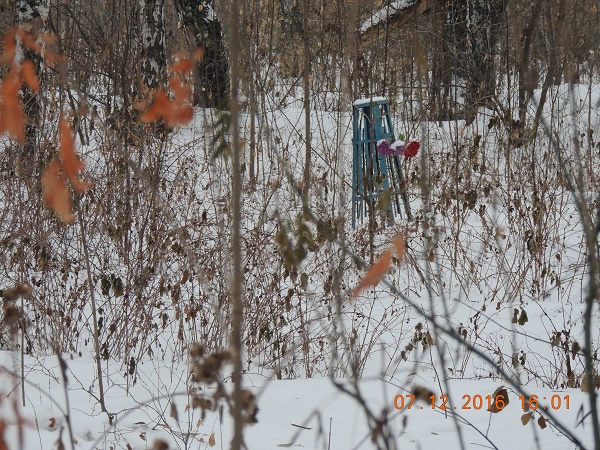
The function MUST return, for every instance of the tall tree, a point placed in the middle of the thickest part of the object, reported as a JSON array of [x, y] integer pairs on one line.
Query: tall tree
[[475, 26], [199, 18], [31, 16], [153, 54]]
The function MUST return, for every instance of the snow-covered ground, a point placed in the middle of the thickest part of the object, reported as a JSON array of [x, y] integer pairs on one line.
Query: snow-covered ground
[[483, 279]]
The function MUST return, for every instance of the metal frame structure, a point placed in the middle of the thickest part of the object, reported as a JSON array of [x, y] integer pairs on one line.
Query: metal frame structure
[[372, 172]]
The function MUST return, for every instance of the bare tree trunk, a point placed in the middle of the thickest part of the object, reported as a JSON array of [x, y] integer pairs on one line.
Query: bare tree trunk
[[527, 76], [306, 78], [199, 18], [482, 25], [154, 59], [237, 317], [31, 16]]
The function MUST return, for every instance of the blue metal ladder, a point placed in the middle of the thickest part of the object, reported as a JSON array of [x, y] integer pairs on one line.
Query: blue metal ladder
[[372, 172]]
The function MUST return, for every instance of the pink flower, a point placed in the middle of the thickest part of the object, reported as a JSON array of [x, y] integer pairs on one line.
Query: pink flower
[[383, 147], [398, 148]]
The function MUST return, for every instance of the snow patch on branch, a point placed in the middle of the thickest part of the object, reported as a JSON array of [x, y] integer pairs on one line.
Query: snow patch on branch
[[369, 100], [384, 14]]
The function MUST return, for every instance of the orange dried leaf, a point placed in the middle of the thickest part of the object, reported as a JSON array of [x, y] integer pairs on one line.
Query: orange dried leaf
[[159, 107], [198, 54], [10, 46], [173, 112], [29, 76], [181, 116], [400, 247], [11, 110], [70, 161], [184, 66], [55, 192], [181, 90], [211, 440], [375, 273], [29, 41], [54, 58], [48, 38]]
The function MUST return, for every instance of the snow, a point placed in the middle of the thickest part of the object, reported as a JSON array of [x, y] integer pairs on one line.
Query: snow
[[384, 13], [369, 100], [314, 413], [143, 416]]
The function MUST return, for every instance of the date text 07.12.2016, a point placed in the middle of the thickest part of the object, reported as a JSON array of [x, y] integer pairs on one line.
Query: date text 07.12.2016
[[487, 402]]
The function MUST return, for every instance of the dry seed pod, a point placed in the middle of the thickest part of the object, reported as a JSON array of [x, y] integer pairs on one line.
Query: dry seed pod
[[205, 404], [20, 290], [208, 370], [249, 407], [202, 403], [12, 315], [422, 393], [160, 445], [197, 350]]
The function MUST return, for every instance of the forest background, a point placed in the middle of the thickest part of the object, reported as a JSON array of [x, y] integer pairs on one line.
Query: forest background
[[232, 229]]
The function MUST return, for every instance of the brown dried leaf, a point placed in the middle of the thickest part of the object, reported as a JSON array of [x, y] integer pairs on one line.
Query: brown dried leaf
[[499, 400], [55, 192], [174, 414], [211, 440], [431, 257], [174, 112], [375, 273], [542, 422], [525, 418]]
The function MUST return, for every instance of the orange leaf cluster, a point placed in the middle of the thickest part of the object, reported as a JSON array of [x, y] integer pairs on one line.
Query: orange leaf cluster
[[71, 163], [375, 273], [177, 111], [55, 192], [32, 43], [380, 268], [67, 167], [11, 110], [12, 118]]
